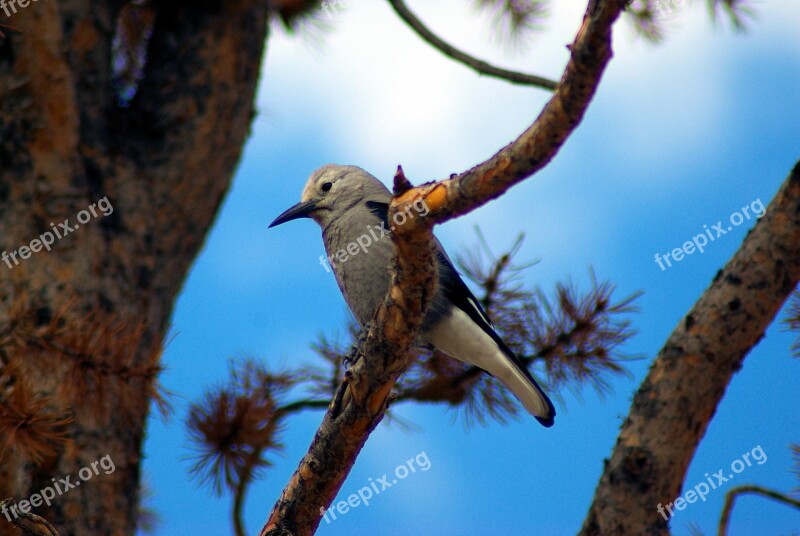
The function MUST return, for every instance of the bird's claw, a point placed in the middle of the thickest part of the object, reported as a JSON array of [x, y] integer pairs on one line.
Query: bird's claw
[[356, 351]]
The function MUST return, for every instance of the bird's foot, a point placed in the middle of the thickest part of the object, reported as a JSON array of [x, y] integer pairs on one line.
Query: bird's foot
[[357, 350]]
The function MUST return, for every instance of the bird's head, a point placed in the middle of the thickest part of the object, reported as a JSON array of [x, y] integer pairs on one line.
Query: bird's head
[[331, 191]]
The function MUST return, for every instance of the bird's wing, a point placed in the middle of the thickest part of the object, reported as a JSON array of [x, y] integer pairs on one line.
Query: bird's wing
[[454, 287], [456, 292], [520, 382]]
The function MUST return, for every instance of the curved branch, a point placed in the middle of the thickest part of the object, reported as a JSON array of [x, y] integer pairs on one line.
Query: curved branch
[[534, 148], [687, 380], [730, 499], [452, 52]]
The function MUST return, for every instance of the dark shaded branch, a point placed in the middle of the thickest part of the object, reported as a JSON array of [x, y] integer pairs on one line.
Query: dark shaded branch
[[566, 335], [30, 524], [730, 499], [300, 405], [10, 28], [452, 52], [687, 380]]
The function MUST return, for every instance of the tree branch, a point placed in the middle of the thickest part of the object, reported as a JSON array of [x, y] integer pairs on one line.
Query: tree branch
[[30, 524], [452, 52], [10, 28], [678, 398], [534, 148], [730, 499], [362, 398], [254, 460]]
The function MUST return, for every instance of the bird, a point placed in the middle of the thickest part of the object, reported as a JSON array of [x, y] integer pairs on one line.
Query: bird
[[351, 206]]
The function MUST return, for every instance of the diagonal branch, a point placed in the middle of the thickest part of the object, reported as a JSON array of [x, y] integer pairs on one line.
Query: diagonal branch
[[362, 398], [452, 52], [678, 398], [534, 148]]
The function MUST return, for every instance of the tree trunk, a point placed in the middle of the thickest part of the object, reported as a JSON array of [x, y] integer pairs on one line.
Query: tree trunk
[[81, 326]]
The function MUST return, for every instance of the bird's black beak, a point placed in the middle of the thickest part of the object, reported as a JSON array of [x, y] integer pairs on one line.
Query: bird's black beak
[[300, 210]]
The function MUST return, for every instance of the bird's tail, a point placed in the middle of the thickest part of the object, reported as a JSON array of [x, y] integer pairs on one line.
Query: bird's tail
[[519, 381], [458, 336]]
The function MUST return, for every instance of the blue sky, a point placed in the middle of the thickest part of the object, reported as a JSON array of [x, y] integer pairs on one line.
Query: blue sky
[[680, 135]]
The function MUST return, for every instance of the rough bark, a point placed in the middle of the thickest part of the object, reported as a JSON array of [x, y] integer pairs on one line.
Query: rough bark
[[687, 380], [361, 400], [81, 326]]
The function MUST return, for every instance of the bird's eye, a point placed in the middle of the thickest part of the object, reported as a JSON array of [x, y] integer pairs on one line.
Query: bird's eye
[[326, 186]]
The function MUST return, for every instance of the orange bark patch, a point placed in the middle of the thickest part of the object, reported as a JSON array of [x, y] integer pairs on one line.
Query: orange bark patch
[[437, 197], [376, 401]]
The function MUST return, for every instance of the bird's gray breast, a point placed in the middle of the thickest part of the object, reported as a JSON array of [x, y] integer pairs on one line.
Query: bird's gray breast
[[360, 251]]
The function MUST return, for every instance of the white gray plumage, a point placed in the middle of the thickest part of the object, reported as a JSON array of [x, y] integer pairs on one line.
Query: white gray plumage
[[349, 204]]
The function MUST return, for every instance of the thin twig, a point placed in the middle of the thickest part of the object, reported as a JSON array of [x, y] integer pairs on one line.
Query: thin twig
[[241, 490], [10, 28], [730, 499], [253, 460], [452, 52], [300, 405]]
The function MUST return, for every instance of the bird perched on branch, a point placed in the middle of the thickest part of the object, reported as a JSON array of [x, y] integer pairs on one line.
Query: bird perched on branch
[[352, 208]]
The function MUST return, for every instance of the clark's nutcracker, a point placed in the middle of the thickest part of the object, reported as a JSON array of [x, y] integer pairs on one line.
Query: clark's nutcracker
[[352, 206]]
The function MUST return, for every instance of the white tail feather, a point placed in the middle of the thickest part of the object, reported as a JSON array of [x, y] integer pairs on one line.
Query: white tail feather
[[459, 337]]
